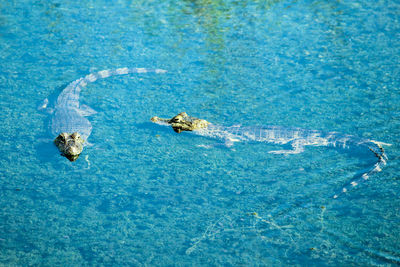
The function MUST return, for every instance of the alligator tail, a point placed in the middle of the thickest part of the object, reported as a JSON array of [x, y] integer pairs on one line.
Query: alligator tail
[[379, 152], [71, 93], [114, 72]]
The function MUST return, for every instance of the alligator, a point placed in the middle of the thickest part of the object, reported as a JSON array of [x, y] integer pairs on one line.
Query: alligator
[[297, 138], [68, 123]]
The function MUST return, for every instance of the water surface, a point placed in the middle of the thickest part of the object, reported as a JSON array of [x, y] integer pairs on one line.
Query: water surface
[[143, 195]]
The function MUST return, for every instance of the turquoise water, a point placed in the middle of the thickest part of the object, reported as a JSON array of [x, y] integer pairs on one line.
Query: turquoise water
[[146, 196]]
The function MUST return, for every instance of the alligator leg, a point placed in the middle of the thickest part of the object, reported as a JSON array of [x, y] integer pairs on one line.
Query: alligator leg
[[297, 148], [86, 111], [45, 106], [228, 143]]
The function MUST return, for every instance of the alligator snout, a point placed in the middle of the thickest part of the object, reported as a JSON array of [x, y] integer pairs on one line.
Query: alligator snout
[[70, 145], [73, 151], [182, 122]]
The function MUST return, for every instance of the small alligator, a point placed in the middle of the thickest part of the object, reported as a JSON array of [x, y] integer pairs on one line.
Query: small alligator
[[68, 122], [296, 137]]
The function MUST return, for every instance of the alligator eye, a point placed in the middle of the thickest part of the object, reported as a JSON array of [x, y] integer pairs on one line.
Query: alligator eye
[[179, 118], [75, 135], [175, 120], [63, 136]]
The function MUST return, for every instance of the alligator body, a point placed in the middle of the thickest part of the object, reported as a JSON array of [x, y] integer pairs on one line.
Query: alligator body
[[297, 138], [69, 123]]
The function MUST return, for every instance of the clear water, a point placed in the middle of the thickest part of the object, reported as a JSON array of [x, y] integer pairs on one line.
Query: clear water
[[145, 196]]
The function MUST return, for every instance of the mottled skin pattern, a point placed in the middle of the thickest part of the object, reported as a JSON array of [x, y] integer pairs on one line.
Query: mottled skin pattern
[[296, 137], [69, 122]]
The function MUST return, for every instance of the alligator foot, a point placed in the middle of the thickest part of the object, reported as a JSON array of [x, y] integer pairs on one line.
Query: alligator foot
[[227, 144], [285, 152], [295, 150]]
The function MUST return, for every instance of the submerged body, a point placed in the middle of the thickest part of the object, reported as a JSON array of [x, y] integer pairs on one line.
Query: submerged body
[[69, 123], [297, 138]]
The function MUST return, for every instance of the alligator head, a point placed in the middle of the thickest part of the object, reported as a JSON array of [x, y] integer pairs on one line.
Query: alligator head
[[70, 145], [182, 122]]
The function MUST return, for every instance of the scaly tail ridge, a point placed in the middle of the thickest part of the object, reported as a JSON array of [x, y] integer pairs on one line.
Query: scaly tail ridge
[[121, 71], [70, 95], [377, 167]]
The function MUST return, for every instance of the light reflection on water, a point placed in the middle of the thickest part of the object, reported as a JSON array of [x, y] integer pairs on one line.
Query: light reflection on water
[[142, 195]]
